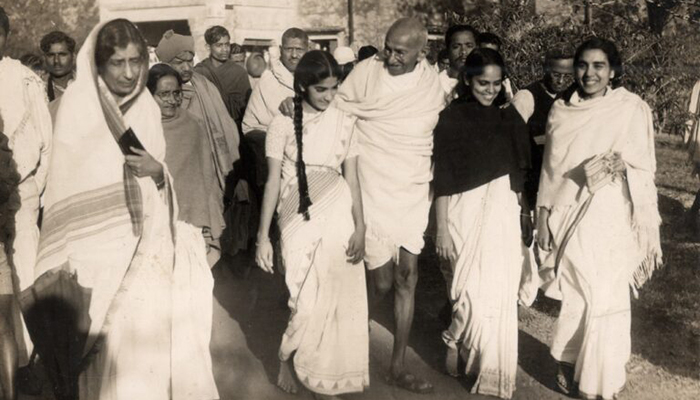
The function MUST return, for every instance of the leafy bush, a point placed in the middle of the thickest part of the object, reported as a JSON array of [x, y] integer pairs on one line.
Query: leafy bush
[[660, 68]]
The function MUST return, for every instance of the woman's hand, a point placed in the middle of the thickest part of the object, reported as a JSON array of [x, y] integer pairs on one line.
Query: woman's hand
[[544, 235], [526, 228], [264, 256], [445, 246], [143, 164], [356, 246], [616, 163]]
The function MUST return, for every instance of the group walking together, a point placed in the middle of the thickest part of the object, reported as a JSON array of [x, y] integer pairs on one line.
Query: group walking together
[[118, 196]]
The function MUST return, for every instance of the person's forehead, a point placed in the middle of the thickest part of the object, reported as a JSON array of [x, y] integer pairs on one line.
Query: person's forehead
[[594, 55], [167, 82], [294, 42], [463, 37], [130, 51], [402, 41], [562, 65], [58, 47], [224, 40]]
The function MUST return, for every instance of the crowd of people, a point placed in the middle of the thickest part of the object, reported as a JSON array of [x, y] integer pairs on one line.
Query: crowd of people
[[129, 183]]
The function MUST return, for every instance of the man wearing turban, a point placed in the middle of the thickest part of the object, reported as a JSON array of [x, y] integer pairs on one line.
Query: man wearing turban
[[201, 98]]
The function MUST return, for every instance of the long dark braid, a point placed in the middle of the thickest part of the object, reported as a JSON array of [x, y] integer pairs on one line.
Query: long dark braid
[[314, 66], [304, 199]]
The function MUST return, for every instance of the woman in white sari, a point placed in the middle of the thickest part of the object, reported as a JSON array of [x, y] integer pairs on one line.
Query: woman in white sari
[[110, 221], [598, 216], [313, 173], [484, 227]]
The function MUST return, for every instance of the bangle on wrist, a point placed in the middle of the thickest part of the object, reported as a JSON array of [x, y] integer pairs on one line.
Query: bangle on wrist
[[525, 215], [262, 241]]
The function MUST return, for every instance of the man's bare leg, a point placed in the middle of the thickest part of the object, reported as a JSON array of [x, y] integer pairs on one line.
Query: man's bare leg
[[8, 349], [405, 279]]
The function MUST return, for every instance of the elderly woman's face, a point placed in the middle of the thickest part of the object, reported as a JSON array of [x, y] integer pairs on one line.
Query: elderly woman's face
[[593, 73], [168, 95], [122, 71]]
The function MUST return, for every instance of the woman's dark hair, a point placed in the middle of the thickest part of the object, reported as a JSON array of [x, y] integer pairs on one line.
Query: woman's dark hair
[[474, 65], [610, 50], [115, 34], [314, 67], [159, 71], [33, 61]]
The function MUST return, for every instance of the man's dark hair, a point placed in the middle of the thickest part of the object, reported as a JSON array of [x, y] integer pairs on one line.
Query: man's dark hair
[[454, 29], [56, 37], [554, 54], [215, 33], [489, 38], [4, 21], [295, 33], [366, 52], [32, 61]]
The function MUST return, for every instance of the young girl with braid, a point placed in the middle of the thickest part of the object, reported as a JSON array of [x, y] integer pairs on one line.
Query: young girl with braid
[[313, 184]]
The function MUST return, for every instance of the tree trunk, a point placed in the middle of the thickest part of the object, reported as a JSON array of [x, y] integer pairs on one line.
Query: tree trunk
[[588, 16], [351, 23]]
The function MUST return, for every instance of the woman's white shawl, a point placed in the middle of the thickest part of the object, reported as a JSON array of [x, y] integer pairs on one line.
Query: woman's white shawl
[[622, 122]]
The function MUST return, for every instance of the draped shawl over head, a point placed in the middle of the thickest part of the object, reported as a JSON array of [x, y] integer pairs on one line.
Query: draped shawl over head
[[85, 198], [622, 122], [395, 137]]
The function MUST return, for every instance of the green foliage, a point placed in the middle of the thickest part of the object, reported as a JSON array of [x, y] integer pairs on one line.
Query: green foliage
[[30, 20], [660, 68]]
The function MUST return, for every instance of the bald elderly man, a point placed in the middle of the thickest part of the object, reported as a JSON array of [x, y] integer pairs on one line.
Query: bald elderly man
[[397, 97]]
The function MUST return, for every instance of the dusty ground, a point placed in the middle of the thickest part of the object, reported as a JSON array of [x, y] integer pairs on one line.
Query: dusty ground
[[249, 317]]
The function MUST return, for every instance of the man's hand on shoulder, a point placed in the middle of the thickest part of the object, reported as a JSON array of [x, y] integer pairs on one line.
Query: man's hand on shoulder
[[287, 107]]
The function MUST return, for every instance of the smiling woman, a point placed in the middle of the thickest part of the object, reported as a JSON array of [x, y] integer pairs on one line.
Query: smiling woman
[[484, 229], [313, 174]]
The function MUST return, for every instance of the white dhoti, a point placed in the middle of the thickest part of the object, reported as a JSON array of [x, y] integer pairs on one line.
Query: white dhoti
[[396, 118]]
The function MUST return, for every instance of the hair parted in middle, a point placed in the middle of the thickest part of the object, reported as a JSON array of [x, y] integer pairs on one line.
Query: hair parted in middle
[[314, 67], [159, 71]]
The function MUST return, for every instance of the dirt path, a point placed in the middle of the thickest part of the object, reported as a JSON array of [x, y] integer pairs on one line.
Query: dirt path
[[250, 316]]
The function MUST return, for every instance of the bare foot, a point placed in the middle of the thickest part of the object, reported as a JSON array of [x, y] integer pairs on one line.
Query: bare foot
[[451, 361], [285, 379]]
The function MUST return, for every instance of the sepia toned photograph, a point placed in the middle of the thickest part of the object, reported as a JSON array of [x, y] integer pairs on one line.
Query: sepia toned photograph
[[349, 199]]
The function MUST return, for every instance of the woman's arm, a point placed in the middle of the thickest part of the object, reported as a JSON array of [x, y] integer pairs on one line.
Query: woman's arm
[[356, 246], [444, 246], [525, 219], [263, 252]]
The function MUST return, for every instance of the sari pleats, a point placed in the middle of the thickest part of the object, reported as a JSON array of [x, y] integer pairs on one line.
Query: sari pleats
[[484, 226], [327, 330], [593, 329]]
